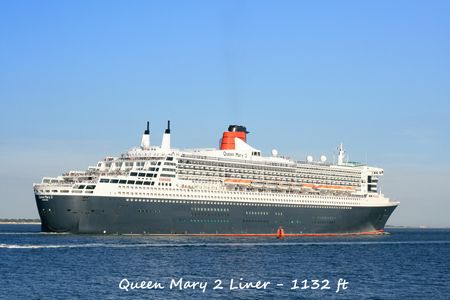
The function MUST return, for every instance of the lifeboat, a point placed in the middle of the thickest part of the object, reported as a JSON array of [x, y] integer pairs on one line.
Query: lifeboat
[[238, 181]]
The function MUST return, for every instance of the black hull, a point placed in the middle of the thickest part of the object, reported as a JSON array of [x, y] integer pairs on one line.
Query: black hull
[[114, 215]]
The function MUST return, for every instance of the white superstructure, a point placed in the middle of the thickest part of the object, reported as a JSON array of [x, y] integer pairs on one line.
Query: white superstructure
[[237, 172]]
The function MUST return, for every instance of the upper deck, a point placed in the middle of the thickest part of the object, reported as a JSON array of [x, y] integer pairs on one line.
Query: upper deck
[[235, 166]]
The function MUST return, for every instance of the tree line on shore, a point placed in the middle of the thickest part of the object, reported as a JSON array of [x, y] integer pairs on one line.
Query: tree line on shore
[[20, 220]]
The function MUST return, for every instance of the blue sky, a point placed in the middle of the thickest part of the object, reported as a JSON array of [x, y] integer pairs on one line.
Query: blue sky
[[78, 80]]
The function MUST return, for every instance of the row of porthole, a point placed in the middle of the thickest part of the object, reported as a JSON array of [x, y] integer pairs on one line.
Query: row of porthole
[[209, 209], [205, 214], [260, 213], [209, 221], [236, 203], [154, 211], [218, 197], [324, 222]]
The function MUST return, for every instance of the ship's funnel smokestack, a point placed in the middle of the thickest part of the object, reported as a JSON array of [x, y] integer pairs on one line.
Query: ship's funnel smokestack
[[145, 141], [165, 144], [234, 131]]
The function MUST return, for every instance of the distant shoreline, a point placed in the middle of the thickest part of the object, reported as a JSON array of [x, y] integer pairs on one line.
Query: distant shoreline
[[20, 221], [413, 227]]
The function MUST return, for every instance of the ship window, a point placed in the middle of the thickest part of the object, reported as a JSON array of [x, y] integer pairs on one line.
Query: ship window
[[90, 187], [147, 183], [169, 158], [138, 182], [149, 175], [122, 181], [104, 180], [130, 182], [141, 174], [167, 175], [133, 174], [114, 181], [81, 186]]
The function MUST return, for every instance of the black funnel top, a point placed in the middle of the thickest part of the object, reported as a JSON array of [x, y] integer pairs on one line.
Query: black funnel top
[[237, 128], [147, 131], [168, 127]]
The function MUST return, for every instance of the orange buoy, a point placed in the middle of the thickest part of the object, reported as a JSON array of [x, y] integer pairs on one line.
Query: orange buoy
[[280, 233]]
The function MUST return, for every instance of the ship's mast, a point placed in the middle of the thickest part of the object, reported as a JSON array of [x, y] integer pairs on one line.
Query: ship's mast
[[341, 155], [165, 144]]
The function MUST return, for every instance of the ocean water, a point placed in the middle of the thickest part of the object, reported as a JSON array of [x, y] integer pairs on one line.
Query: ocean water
[[406, 264]]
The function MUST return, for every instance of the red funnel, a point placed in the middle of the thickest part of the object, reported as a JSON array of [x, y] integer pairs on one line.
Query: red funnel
[[234, 131]]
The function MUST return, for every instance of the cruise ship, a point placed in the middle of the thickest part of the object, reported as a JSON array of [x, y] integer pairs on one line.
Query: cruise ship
[[233, 190]]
